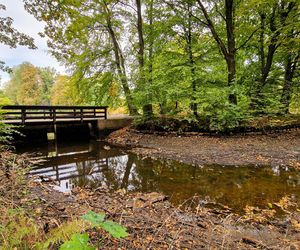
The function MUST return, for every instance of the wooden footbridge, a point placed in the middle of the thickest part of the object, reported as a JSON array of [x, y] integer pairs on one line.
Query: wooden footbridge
[[71, 121], [28, 114]]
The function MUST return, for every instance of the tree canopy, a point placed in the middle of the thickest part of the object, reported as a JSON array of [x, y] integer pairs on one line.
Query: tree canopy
[[224, 60]]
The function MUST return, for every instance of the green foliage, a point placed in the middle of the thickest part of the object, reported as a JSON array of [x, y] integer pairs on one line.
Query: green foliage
[[114, 229], [77, 242], [80, 241], [94, 218], [182, 59], [30, 85], [11, 37], [102, 89], [4, 100], [61, 234], [18, 231], [222, 117], [6, 131], [295, 101]]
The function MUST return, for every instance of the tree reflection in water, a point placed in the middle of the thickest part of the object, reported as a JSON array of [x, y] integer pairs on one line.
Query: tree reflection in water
[[236, 187]]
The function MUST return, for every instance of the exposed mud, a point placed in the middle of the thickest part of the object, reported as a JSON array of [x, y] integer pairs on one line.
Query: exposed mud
[[153, 223], [193, 148]]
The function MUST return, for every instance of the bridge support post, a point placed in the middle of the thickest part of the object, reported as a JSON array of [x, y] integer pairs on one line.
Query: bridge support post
[[93, 129], [52, 131]]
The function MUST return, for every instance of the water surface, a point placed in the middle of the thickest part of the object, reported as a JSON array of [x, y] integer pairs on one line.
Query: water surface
[[96, 164]]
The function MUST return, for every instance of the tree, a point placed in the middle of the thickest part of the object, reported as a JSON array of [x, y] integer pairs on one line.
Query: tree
[[30, 85], [4, 100], [291, 64], [278, 18], [29, 92], [147, 109], [64, 92], [164, 56], [47, 76], [187, 31], [11, 37], [70, 26], [228, 51]]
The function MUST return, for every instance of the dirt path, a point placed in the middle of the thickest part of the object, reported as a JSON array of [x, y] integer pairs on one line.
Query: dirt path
[[255, 149]]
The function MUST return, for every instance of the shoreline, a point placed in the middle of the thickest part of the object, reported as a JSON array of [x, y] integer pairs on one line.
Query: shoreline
[[282, 149]]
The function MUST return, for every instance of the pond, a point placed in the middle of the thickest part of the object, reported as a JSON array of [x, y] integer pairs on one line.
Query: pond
[[97, 164]]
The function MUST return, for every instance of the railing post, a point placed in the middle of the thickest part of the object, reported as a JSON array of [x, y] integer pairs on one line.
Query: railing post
[[81, 115], [23, 115], [54, 115], [105, 113]]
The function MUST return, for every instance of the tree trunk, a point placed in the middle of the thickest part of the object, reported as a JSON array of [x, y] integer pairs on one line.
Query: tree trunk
[[229, 51], [193, 105], [262, 42], [147, 109], [230, 58], [290, 68], [120, 63], [282, 12]]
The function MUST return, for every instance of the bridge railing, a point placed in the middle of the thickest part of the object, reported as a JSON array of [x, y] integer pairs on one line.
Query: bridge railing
[[27, 113]]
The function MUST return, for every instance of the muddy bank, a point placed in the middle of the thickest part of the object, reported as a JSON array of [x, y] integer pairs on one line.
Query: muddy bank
[[252, 149], [153, 223]]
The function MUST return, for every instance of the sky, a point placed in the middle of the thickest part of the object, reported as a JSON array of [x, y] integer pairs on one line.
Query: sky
[[27, 24]]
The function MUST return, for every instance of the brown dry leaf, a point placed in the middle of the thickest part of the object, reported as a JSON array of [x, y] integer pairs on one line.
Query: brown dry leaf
[[296, 224], [254, 214], [285, 203]]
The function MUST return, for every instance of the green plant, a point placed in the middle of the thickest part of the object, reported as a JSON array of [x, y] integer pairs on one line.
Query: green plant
[[97, 220], [77, 242], [17, 230], [223, 117], [61, 234], [6, 130], [80, 241]]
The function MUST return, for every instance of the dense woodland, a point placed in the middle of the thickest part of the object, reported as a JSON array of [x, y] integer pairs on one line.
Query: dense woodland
[[224, 61], [212, 66]]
